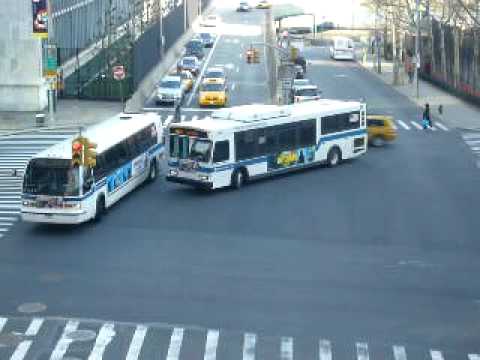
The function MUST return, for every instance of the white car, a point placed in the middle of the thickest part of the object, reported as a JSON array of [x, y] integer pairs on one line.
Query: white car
[[170, 90], [306, 93], [243, 6], [342, 49], [209, 21], [300, 82]]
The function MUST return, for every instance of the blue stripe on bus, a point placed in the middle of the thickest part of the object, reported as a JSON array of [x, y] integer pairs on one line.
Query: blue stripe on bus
[[339, 136]]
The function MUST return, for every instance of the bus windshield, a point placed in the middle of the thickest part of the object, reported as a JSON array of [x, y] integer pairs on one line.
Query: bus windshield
[[201, 149], [51, 177]]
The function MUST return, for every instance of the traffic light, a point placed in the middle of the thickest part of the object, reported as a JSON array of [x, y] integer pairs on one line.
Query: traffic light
[[90, 156], [249, 56], [252, 55], [77, 151]]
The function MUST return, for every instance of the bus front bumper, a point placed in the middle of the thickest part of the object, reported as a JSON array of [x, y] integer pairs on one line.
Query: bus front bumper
[[54, 218], [192, 182]]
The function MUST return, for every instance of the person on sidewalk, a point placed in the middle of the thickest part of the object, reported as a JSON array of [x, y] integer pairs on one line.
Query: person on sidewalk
[[409, 67], [426, 120]]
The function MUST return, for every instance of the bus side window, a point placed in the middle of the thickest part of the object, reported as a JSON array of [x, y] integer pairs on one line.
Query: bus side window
[[184, 147], [222, 151]]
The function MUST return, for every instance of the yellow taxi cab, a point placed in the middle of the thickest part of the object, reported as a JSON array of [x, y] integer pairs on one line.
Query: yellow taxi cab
[[187, 80], [264, 5], [212, 93], [380, 129]]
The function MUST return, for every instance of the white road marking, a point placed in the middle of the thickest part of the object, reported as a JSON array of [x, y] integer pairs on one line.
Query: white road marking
[[136, 343], [436, 355], [3, 321], [402, 124], [418, 126], [211, 345], [286, 348], [104, 337], [204, 67], [5, 218], [182, 118], [473, 357], [394, 126], [233, 86], [441, 126], [175, 344], [9, 212], [5, 224], [399, 353], [362, 351], [237, 69], [325, 350], [3, 230], [249, 341], [64, 342], [22, 348], [194, 117]]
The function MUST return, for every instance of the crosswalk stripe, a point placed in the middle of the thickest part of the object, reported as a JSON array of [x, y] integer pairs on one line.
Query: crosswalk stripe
[[3, 230], [402, 124], [5, 224], [394, 126], [436, 355], [104, 337], [416, 125], [5, 218], [175, 344], [211, 345], [3, 321], [182, 118], [362, 351], [194, 118], [22, 348], [249, 341], [441, 126], [137, 343], [64, 342], [399, 353], [9, 212], [325, 350], [286, 348], [473, 357]]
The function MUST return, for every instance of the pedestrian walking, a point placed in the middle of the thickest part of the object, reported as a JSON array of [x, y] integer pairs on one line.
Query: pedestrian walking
[[426, 120], [409, 67]]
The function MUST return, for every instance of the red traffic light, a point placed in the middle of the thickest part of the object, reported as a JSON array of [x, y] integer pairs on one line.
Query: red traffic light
[[77, 146]]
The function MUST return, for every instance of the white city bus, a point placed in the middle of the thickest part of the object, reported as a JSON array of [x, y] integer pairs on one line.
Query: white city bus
[[245, 142], [342, 49], [128, 152]]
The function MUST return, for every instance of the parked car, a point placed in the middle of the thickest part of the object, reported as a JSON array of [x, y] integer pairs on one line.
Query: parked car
[[195, 48], [215, 73], [305, 93], [207, 39], [243, 6], [299, 73], [170, 90], [187, 80], [189, 63], [380, 129], [300, 82]]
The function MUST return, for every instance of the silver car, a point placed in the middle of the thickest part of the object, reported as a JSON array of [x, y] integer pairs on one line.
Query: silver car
[[170, 90]]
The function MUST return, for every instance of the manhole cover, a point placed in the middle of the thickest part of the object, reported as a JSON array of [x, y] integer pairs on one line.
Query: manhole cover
[[30, 308], [7, 340], [82, 335]]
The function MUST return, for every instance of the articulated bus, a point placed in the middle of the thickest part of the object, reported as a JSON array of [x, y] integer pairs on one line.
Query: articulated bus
[[245, 142], [129, 147]]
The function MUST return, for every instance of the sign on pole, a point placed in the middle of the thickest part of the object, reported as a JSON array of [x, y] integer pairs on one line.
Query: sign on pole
[[40, 18], [118, 72], [50, 65]]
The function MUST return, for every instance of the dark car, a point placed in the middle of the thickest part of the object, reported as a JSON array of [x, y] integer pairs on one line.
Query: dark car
[[207, 39], [194, 48], [300, 60]]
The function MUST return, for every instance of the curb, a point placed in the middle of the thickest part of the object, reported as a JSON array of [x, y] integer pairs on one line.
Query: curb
[[11, 132]]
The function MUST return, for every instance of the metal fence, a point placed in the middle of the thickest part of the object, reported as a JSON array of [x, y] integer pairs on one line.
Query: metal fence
[[123, 34], [467, 84]]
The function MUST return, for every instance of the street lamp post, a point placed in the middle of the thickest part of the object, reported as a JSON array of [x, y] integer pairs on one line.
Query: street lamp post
[[51, 81]]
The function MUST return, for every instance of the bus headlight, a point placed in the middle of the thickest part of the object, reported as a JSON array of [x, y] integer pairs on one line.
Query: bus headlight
[[74, 205], [204, 177], [28, 203], [173, 172]]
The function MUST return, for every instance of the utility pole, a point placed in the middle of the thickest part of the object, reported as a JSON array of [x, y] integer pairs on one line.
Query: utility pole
[[162, 45], [417, 45], [377, 40], [51, 51]]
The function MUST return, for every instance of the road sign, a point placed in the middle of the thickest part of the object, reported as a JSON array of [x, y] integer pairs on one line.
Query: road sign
[[118, 72], [50, 65]]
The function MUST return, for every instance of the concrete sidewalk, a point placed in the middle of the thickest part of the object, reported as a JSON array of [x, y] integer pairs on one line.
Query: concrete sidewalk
[[69, 113], [456, 112]]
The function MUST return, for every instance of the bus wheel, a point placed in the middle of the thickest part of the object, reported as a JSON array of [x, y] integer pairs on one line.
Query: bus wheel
[[152, 175], [334, 157], [99, 209], [238, 178]]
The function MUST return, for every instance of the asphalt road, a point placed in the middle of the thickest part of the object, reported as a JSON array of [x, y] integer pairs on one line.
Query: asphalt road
[[381, 250]]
